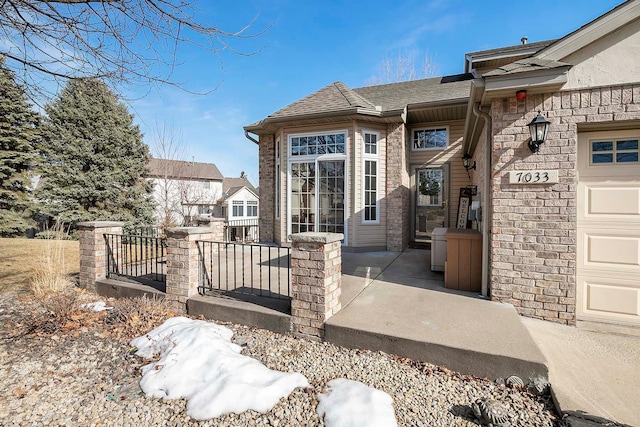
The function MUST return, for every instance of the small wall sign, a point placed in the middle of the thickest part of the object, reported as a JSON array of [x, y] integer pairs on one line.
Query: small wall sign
[[534, 177]]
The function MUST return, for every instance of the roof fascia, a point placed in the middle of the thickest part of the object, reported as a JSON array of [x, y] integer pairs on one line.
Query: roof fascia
[[496, 86], [514, 53], [596, 29]]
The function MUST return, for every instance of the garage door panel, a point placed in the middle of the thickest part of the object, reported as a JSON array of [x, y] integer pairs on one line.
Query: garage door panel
[[607, 249], [613, 250], [609, 299], [613, 201]]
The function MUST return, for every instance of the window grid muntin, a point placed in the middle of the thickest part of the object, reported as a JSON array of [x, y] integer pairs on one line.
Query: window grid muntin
[[622, 151], [252, 208], [237, 208], [430, 138], [370, 191], [370, 203], [317, 144]]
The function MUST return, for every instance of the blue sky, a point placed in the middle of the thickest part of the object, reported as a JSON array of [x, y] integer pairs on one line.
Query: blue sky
[[309, 44]]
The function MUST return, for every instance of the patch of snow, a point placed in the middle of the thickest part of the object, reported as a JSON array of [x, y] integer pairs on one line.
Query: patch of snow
[[96, 306], [350, 403], [198, 362]]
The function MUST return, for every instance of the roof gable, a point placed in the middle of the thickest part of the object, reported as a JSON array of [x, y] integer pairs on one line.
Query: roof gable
[[180, 169], [594, 30], [332, 98], [230, 183]]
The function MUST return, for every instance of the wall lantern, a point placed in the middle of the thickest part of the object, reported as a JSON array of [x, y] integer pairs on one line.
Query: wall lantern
[[466, 162], [538, 129]]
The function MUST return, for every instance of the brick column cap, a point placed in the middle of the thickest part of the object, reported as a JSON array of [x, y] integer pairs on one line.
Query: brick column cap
[[177, 232], [208, 220], [100, 224], [316, 237]]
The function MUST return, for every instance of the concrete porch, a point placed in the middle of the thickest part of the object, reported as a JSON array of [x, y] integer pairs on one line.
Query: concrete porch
[[393, 302]]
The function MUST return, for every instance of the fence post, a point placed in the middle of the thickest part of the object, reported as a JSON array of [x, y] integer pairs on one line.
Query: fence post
[[93, 250], [183, 263], [316, 282], [217, 224]]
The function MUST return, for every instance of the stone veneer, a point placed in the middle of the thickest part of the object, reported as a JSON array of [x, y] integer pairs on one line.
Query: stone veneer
[[534, 228], [183, 263], [315, 281], [93, 250], [266, 171], [398, 196]]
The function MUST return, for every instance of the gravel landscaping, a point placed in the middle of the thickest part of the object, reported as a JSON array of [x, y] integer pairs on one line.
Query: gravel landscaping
[[88, 376]]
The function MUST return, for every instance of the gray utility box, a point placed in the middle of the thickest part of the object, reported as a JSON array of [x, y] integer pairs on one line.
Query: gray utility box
[[438, 249]]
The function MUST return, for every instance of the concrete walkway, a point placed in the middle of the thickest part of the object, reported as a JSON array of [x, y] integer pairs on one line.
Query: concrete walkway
[[394, 303], [594, 373]]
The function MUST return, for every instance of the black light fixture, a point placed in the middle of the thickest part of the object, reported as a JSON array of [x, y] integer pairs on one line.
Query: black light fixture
[[466, 162], [538, 129]]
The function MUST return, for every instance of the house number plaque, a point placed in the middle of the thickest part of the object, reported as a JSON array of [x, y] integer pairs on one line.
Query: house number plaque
[[533, 177]]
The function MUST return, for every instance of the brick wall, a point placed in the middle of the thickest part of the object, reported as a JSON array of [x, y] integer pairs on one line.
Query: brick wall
[[397, 189], [534, 227], [266, 171]]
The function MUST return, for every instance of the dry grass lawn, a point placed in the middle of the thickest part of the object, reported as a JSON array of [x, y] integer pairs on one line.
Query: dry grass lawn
[[20, 258]]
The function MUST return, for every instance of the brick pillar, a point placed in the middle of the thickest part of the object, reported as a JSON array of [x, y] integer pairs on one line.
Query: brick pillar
[[266, 172], [397, 189], [217, 224], [183, 263], [93, 251], [316, 265]]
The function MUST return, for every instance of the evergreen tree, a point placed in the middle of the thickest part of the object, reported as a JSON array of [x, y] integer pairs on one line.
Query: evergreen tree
[[18, 134], [95, 163]]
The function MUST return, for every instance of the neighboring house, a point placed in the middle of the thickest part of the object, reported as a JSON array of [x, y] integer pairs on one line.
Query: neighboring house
[[184, 190], [561, 226], [239, 207]]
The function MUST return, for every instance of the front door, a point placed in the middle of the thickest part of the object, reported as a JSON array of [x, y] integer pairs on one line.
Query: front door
[[431, 201]]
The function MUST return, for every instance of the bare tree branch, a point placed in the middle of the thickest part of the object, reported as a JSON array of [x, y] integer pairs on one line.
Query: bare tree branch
[[130, 42], [403, 68]]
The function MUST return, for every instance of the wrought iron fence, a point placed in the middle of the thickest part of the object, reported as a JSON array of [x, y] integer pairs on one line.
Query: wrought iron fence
[[242, 230], [137, 258], [232, 268]]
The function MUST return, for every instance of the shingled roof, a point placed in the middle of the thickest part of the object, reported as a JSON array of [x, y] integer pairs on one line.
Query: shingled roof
[[525, 65], [180, 169], [229, 183], [338, 98]]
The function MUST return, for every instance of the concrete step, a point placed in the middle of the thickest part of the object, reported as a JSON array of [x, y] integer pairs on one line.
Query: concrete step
[[423, 321]]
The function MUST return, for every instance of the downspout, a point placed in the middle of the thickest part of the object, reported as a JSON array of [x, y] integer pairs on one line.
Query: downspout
[[250, 138], [486, 199]]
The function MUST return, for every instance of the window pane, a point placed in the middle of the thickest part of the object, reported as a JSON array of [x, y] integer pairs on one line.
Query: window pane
[[626, 157], [602, 146], [631, 144], [430, 138], [602, 158]]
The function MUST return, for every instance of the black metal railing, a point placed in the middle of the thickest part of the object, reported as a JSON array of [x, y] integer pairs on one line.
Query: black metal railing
[[137, 258], [242, 230], [233, 269]]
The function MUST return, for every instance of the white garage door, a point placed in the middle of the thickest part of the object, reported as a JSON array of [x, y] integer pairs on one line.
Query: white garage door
[[608, 253]]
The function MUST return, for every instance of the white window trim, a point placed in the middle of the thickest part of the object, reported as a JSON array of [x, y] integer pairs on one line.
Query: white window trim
[[613, 152], [374, 157], [316, 158], [446, 128], [239, 203]]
